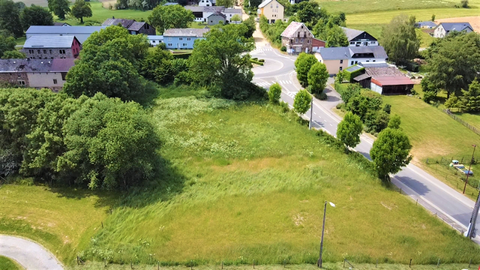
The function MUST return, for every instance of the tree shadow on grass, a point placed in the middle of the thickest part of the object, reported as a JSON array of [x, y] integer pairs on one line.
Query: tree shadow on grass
[[167, 183]]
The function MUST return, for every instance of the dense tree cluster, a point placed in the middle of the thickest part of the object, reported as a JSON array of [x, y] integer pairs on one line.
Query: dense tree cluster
[[35, 15], [7, 43], [97, 142], [367, 105], [400, 39], [174, 16], [10, 18], [303, 64], [454, 63], [273, 31]]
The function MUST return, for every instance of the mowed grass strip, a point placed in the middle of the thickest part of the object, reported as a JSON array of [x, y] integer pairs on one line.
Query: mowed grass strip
[[250, 185], [8, 264], [60, 219]]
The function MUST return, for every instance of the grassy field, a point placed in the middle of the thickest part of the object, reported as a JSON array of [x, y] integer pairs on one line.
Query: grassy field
[[62, 220], [327, 266], [244, 183], [472, 119], [7, 264]]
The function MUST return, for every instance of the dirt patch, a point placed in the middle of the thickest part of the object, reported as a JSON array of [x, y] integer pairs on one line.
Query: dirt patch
[[474, 21]]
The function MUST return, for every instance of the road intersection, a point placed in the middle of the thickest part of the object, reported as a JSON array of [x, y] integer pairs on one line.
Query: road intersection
[[452, 207]]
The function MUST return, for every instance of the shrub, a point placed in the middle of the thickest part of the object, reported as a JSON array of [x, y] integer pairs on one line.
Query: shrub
[[464, 4], [429, 97], [283, 49], [274, 93]]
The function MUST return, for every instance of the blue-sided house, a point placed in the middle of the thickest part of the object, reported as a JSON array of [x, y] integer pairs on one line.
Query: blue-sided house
[[182, 38]]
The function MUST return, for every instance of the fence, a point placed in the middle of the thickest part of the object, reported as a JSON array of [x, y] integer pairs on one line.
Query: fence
[[456, 118], [451, 172]]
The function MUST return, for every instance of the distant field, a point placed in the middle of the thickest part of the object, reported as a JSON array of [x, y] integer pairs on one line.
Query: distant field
[[42, 3]]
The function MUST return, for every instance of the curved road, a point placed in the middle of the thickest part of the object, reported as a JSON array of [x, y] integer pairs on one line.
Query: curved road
[[437, 197], [28, 254]]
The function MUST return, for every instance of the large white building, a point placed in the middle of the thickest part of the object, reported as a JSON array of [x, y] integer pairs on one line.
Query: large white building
[[80, 32], [357, 38], [339, 58]]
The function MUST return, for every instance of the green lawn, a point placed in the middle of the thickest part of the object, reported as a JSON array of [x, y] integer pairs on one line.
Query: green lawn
[[245, 182], [7, 264], [472, 119], [60, 219], [436, 136]]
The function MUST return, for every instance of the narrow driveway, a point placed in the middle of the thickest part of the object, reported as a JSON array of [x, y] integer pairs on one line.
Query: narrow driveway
[[437, 197], [28, 254]]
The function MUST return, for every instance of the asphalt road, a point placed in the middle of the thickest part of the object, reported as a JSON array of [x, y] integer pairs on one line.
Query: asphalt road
[[28, 254], [443, 201]]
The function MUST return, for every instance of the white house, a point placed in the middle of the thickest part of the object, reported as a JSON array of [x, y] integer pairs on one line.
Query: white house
[[339, 58], [202, 13], [155, 40], [357, 38], [205, 3], [444, 29]]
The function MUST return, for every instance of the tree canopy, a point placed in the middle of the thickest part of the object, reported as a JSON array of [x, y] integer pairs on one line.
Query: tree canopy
[[173, 16], [225, 3], [390, 152], [10, 18], [336, 37], [13, 54], [400, 39], [218, 60], [303, 63], [109, 63], [317, 77], [59, 7], [302, 101], [35, 15], [81, 9], [7, 43], [454, 62], [274, 93], [349, 130], [470, 101]]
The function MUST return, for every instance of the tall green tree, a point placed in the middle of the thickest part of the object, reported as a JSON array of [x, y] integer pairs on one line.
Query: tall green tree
[[395, 122], [302, 101], [10, 18], [59, 7], [81, 9], [219, 60], [454, 62], [349, 130], [390, 152], [317, 77], [35, 15], [174, 16], [157, 66], [471, 98], [7, 43], [400, 39], [303, 64], [13, 54], [109, 63], [336, 37]]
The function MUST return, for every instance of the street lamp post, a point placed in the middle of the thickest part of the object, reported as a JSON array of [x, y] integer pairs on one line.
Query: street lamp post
[[469, 168], [319, 263], [311, 115]]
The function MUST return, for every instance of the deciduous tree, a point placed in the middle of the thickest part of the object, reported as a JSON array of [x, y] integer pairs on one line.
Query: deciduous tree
[[13, 54], [336, 37], [390, 152], [81, 9], [302, 65], [302, 101], [400, 39], [471, 98], [35, 15], [317, 77], [7, 43], [395, 122], [59, 7], [173, 16], [219, 60], [274, 93], [10, 18], [349, 130], [225, 3]]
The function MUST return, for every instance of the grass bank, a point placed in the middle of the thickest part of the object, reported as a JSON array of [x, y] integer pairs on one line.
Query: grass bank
[[7, 264], [60, 219], [245, 182]]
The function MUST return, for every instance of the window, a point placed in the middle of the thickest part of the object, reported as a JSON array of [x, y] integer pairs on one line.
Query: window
[[188, 38], [351, 63], [184, 44], [341, 61], [341, 68], [45, 51], [64, 74], [373, 61], [21, 82], [50, 51], [169, 44], [54, 81], [368, 61], [180, 38], [38, 51], [153, 41]]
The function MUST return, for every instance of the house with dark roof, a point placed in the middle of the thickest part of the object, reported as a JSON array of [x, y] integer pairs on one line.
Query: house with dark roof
[[444, 29], [80, 32], [182, 38], [272, 10], [36, 73], [297, 38], [50, 47], [357, 38], [339, 58], [425, 25], [202, 13], [132, 26], [216, 18]]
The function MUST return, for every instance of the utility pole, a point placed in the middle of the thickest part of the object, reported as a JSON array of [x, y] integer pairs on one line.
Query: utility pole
[[473, 220], [469, 168], [311, 115]]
